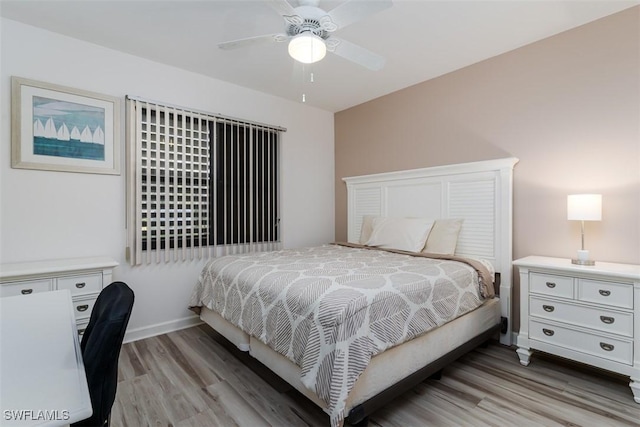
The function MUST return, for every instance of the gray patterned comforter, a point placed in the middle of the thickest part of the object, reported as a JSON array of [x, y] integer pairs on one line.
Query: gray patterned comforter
[[330, 309]]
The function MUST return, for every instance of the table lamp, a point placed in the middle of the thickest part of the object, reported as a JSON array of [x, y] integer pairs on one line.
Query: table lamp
[[584, 207]]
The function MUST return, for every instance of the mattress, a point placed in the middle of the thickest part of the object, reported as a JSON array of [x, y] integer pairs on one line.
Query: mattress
[[330, 309]]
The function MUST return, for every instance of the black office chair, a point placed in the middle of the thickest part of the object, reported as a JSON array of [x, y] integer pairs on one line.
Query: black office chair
[[100, 347]]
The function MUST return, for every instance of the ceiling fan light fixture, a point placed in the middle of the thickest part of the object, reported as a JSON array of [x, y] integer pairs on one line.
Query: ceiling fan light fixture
[[307, 48]]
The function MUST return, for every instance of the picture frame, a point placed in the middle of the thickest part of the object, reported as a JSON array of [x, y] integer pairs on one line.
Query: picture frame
[[58, 128]]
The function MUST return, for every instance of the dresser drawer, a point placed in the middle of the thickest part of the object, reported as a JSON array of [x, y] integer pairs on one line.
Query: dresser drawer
[[25, 287], [80, 285], [609, 321], [82, 307], [550, 284], [605, 347], [609, 293], [81, 325]]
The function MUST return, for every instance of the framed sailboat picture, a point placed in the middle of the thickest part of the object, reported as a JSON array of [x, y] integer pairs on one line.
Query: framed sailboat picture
[[63, 129]]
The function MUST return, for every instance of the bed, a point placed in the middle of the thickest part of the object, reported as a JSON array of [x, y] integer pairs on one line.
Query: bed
[[341, 353]]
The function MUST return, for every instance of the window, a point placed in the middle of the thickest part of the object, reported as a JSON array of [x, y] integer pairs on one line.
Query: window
[[199, 185]]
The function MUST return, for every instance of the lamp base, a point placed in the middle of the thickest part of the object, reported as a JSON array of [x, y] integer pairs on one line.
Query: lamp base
[[583, 258], [583, 261]]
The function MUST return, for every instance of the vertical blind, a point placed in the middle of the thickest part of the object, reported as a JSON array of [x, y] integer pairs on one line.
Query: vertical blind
[[198, 185]]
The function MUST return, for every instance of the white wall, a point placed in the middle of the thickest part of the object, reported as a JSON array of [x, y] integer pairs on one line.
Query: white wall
[[48, 215]]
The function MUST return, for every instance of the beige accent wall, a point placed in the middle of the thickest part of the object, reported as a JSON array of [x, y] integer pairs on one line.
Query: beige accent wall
[[568, 107]]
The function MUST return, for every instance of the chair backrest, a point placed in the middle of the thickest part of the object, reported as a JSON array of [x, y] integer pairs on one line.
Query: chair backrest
[[101, 345]]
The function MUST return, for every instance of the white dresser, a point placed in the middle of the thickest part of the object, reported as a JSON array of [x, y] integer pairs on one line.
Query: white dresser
[[83, 277], [590, 314]]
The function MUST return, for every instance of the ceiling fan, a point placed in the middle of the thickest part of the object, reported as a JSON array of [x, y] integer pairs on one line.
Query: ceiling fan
[[309, 31]]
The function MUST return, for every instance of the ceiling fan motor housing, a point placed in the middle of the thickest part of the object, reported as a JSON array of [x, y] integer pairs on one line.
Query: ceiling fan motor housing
[[314, 20], [308, 26]]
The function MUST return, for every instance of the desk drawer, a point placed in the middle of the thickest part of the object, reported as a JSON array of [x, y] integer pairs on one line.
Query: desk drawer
[[550, 284], [26, 287], [610, 321], [609, 293], [605, 347], [80, 285]]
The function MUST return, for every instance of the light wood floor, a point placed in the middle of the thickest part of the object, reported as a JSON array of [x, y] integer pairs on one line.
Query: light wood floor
[[190, 378]]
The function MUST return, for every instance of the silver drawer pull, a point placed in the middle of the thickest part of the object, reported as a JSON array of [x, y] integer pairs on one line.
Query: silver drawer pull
[[551, 285], [548, 308], [548, 332], [606, 347], [81, 331], [26, 291], [604, 293], [608, 320], [80, 285], [82, 307]]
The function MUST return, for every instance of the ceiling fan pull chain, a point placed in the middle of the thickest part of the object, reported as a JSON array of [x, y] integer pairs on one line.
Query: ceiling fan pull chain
[[311, 78]]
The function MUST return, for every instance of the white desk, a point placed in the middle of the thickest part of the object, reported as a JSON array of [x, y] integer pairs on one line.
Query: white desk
[[42, 377]]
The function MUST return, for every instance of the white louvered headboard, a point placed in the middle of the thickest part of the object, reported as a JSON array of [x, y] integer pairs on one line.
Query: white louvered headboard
[[478, 192]]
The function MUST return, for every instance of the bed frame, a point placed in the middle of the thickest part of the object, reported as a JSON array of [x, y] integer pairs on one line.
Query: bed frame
[[481, 194]]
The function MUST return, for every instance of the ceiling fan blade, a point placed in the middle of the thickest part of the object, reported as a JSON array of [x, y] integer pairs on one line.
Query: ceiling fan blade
[[284, 8], [250, 41], [355, 53], [354, 10]]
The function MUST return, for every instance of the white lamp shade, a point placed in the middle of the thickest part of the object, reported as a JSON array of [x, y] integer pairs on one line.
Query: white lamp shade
[[584, 207], [307, 48]]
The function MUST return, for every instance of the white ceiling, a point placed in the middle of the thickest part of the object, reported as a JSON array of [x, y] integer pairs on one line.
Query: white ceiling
[[420, 39]]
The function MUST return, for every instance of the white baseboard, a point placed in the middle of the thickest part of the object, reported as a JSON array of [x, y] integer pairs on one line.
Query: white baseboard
[[161, 328]]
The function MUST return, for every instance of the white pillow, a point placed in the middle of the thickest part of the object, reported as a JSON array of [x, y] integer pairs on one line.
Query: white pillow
[[366, 229], [443, 237], [407, 234]]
